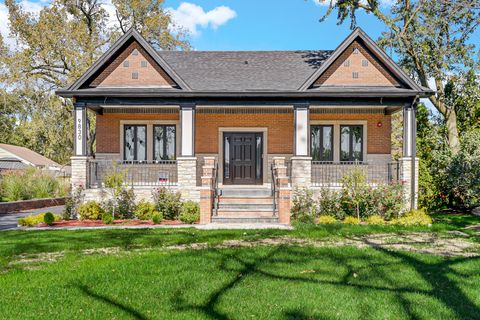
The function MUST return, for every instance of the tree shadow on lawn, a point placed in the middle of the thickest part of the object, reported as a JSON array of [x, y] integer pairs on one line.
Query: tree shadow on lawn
[[435, 274]]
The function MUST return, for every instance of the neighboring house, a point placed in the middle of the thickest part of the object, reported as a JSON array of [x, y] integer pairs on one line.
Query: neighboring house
[[19, 158], [219, 126]]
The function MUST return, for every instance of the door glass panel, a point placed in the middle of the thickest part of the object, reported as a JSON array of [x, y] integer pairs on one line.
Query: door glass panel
[[170, 141], [356, 143], [351, 148], [315, 143], [129, 142], [164, 142], [226, 169], [258, 157]]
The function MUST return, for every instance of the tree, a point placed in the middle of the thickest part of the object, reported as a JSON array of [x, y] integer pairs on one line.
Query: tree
[[53, 49], [431, 38]]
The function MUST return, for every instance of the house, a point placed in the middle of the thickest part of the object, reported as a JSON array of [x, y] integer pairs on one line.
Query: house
[[238, 131], [19, 158]]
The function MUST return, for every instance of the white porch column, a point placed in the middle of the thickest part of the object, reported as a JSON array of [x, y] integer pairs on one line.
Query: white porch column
[[409, 161], [79, 160], [301, 161], [187, 162]]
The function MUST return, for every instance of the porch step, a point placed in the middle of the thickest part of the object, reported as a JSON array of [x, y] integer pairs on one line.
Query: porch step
[[245, 206], [218, 219], [246, 193], [252, 213], [250, 200]]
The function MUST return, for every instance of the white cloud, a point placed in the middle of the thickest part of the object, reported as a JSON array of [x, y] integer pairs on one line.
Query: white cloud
[[28, 6], [190, 17]]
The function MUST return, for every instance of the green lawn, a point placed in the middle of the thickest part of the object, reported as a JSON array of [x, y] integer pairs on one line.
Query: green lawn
[[140, 279]]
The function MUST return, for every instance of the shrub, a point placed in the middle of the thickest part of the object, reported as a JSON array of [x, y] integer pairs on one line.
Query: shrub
[[351, 220], [414, 218], [13, 187], [167, 203], [190, 212], [90, 210], [387, 201], [303, 208], [123, 205], [355, 192], [329, 203], [72, 204], [326, 220], [157, 217], [107, 218], [375, 220], [31, 221], [144, 210], [48, 218]]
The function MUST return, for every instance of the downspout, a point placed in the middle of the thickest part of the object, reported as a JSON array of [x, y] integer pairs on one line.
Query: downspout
[[413, 135]]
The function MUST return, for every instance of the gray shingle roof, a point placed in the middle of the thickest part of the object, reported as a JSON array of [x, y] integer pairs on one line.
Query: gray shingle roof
[[245, 70]]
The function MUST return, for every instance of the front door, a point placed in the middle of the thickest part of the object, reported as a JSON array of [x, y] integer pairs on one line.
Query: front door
[[243, 158]]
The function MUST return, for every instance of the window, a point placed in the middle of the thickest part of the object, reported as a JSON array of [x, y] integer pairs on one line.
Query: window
[[364, 63], [355, 51], [135, 52], [126, 64], [163, 142], [143, 64], [322, 143], [135, 142], [346, 63], [351, 143], [134, 75], [355, 75]]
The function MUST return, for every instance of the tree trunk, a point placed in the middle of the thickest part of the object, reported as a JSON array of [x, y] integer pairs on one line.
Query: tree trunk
[[452, 131]]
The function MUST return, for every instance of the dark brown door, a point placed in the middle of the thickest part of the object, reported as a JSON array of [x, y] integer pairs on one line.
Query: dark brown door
[[242, 158]]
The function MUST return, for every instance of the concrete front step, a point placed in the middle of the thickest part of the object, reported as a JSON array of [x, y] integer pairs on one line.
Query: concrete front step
[[251, 200], [242, 219], [246, 193], [245, 206], [245, 213]]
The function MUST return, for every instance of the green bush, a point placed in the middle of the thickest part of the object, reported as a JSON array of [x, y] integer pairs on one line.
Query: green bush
[[329, 203], [31, 221], [167, 203], [72, 203], [326, 220], [414, 218], [144, 210], [125, 204], [190, 212], [107, 218], [90, 210], [48, 218], [157, 217], [303, 206]]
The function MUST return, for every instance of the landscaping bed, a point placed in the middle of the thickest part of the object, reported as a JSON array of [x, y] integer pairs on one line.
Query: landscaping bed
[[99, 223]]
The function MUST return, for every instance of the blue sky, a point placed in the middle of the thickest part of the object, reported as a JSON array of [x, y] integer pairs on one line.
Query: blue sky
[[274, 25]]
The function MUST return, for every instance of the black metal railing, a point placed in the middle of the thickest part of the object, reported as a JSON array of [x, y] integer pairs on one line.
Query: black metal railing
[[216, 190], [274, 188], [331, 174], [134, 173]]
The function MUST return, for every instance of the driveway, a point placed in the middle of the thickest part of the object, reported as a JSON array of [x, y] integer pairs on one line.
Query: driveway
[[9, 221]]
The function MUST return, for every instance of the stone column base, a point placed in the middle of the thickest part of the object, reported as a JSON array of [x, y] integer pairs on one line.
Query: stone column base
[[301, 172], [406, 180], [79, 172]]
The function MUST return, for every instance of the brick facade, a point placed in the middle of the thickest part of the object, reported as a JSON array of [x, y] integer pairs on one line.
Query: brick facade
[[116, 75], [374, 74], [378, 137], [280, 129]]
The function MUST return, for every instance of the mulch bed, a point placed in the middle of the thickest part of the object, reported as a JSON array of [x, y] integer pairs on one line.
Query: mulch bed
[[99, 223]]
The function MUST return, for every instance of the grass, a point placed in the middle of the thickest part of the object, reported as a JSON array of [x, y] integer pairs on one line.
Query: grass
[[145, 281]]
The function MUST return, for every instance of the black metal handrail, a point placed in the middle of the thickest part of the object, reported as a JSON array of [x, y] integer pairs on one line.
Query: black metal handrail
[[216, 190], [327, 173], [134, 172], [274, 188]]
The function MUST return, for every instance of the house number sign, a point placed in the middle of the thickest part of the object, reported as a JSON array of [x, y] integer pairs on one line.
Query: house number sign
[[79, 123]]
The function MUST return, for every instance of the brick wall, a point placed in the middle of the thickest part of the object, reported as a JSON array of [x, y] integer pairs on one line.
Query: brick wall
[[108, 128], [374, 74], [280, 130], [378, 138], [116, 75]]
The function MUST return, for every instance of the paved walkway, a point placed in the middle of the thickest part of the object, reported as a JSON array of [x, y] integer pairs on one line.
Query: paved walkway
[[9, 221]]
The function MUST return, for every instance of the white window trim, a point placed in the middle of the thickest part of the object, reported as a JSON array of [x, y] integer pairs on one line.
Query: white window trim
[[336, 135], [150, 124]]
